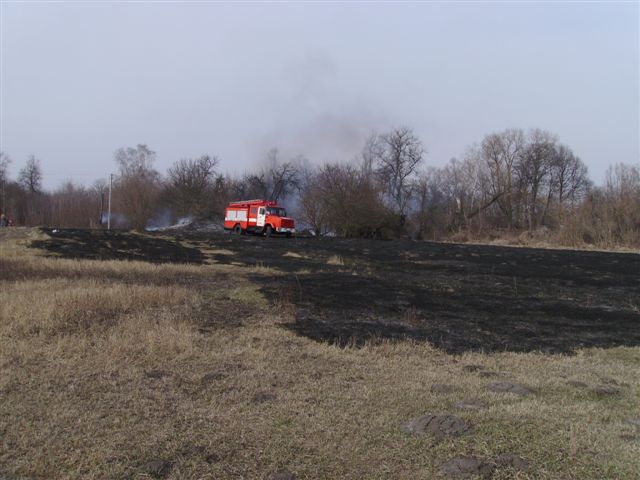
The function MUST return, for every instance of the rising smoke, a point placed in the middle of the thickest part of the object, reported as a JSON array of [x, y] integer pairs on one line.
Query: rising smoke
[[329, 124]]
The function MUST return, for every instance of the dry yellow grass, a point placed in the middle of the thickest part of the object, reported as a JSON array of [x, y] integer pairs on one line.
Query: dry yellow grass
[[335, 260], [293, 255], [105, 373]]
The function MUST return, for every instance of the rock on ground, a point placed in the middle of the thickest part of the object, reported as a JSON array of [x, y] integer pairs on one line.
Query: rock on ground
[[577, 384], [437, 425], [262, 397], [443, 388], [467, 468], [604, 389], [509, 387], [512, 460], [472, 368]]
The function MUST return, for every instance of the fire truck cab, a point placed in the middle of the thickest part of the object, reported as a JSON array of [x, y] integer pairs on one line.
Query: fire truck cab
[[258, 216]]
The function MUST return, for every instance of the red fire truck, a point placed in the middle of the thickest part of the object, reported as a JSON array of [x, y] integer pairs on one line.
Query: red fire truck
[[258, 216]]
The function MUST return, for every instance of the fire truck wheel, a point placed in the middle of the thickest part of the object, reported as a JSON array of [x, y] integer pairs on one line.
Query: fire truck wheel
[[237, 229], [268, 231]]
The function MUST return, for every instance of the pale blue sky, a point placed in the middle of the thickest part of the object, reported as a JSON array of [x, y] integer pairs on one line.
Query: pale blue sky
[[79, 80]]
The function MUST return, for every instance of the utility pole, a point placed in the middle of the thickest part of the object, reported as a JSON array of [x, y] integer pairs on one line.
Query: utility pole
[[109, 214], [101, 217]]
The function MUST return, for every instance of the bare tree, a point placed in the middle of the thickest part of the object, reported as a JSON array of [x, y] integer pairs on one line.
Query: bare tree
[[281, 178], [190, 185], [432, 206], [5, 161], [72, 206], [275, 180], [32, 203], [466, 188], [136, 161], [502, 152], [138, 185], [343, 199], [314, 209], [622, 204], [372, 150], [568, 182], [397, 156], [30, 176], [533, 169]]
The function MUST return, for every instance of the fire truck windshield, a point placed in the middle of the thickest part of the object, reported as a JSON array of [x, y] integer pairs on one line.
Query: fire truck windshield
[[278, 212]]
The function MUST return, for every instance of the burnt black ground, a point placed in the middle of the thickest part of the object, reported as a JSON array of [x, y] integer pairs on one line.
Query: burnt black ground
[[115, 245], [457, 297]]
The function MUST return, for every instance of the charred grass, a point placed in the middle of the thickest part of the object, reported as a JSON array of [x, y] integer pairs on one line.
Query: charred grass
[[131, 369]]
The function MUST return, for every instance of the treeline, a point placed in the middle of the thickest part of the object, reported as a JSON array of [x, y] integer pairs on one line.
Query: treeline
[[517, 185]]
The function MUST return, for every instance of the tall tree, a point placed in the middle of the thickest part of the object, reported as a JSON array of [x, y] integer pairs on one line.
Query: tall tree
[[397, 156], [501, 152], [30, 176], [5, 160], [138, 185], [568, 182], [190, 185], [275, 180], [345, 200], [281, 177], [534, 168]]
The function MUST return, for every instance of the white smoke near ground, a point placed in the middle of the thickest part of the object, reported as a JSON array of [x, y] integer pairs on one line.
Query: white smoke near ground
[[162, 223], [118, 220], [162, 219]]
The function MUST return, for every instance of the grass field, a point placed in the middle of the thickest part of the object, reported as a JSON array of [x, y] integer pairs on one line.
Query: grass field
[[114, 366]]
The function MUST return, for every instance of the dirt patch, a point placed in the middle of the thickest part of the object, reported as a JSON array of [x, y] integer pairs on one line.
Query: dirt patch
[[190, 450], [212, 377], [472, 368], [577, 384], [262, 397], [438, 425], [511, 460], [607, 390], [509, 387], [467, 468], [157, 468], [609, 380]]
